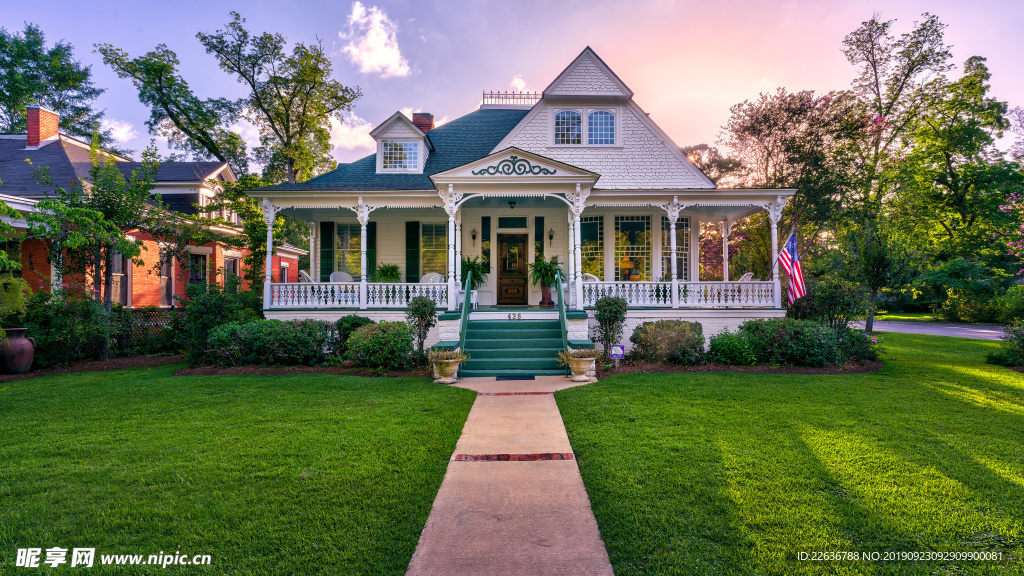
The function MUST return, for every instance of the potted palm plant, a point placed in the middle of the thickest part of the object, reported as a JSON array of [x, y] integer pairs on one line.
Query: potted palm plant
[[446, 364], [547, 274], [388, 273]]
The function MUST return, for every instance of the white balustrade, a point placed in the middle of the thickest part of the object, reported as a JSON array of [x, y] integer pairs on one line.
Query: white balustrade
[[399, 294], [691, 294], [346, 294]]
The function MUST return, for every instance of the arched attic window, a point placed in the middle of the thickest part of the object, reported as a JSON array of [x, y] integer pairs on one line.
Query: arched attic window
[[568, 127], [600, 128]]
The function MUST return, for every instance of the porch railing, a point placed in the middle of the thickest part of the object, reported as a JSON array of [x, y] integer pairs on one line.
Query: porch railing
[[399, 294], [691, 294], [347, 294]]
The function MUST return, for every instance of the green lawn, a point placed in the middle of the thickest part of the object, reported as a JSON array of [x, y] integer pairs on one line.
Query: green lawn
[[268, 475], [727, 473]]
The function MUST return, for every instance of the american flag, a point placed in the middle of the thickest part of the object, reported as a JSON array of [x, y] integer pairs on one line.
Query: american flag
[[789, 259]]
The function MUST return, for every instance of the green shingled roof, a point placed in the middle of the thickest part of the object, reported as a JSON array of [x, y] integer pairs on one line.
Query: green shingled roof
[[458, 142]]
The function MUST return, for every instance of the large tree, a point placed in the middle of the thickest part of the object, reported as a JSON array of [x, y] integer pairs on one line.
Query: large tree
[[32, 73], [200, 128], [892, 84], [955, 178], [291, 99]]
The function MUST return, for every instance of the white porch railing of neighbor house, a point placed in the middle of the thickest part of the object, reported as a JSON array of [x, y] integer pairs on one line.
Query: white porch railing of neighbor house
[[349, 295], [691, 294]]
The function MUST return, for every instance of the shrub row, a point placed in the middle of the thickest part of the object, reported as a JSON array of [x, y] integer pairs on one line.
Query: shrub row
[[788, 342], [776, 341]]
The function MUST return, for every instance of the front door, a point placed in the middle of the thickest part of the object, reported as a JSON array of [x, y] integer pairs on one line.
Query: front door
[[512, 285]]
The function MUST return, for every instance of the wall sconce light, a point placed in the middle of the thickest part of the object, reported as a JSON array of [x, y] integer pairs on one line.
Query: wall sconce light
[[551, 236], [512, 205], [473, 234]]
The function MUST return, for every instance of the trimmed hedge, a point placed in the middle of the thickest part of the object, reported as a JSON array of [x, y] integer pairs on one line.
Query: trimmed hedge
[[788, 342], [265, 342], [675, 341], [384, 346], [345, 326]]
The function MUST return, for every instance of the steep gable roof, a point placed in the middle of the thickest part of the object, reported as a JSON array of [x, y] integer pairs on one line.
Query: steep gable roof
[[588, 75], [455, 143]]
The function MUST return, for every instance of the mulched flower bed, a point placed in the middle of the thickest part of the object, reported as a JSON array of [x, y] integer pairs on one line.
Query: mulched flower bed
[[288, 370], [97, 366], [645, 367]]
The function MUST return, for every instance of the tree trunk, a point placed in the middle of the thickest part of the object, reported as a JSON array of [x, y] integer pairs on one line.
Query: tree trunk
[[870, 324], [108, 283], [97, 276]]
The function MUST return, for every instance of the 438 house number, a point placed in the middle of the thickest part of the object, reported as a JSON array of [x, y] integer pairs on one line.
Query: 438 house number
[[515, 316]]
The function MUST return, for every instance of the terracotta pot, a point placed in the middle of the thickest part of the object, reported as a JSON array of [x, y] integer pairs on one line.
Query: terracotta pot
[[545, 296], [445, 370], [18, 351], [580, 367]]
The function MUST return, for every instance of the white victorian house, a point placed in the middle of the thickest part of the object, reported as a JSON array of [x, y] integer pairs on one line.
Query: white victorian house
[[578, 173]]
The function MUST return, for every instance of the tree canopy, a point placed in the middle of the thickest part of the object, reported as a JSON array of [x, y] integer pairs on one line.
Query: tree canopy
[[32, 73]]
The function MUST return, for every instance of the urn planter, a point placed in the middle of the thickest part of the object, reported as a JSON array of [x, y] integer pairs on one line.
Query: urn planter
[[18, 351]]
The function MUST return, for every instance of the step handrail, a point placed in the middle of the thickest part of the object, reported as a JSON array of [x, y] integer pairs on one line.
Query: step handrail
[[561, 316], [464, 321]]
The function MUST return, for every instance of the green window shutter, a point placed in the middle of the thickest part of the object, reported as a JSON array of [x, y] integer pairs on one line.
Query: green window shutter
[[538, 238], [371, 249], [326, 251], [412, 251]]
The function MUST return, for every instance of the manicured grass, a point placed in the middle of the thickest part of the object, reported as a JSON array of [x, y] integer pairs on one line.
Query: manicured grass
[[268, 475], [907, 317], [727, 473]]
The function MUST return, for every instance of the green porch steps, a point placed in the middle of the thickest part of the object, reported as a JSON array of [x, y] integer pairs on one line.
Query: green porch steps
[[513, 348]]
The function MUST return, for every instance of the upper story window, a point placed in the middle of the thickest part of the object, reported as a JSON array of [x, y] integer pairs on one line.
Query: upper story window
[[568, 127], [598, 130], [398, 156]]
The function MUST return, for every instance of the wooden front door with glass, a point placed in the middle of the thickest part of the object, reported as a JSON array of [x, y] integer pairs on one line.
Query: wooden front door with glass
[[512, 270]]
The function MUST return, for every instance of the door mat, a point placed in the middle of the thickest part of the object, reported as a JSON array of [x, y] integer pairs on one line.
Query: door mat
[[500, 378]]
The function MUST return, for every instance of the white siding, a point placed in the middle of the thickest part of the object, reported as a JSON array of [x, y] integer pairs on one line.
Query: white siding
[[643, 161], [586, 78]]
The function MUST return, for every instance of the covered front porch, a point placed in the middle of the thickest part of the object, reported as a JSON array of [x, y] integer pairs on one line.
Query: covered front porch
[[502, 214]]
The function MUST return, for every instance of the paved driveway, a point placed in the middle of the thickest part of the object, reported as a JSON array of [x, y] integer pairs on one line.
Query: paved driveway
[[980, 331]]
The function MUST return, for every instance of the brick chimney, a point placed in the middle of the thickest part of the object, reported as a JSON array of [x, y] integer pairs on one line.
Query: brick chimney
[[42, 124], [423, 120]]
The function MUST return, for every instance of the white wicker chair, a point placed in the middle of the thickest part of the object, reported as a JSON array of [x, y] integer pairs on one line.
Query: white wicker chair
[[341, 277], [749, 276], [432, 278], [590, 278]]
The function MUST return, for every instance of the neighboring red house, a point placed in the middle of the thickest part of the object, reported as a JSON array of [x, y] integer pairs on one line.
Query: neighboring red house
[[182, 185]]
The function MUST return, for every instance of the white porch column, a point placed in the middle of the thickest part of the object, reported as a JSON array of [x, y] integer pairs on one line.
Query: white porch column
[[775, 214], [313, 252], [578, 202], [451, 206], [269, 214], [363, 216], [458, 248], [725, 228], [570, 265], [673, 217]]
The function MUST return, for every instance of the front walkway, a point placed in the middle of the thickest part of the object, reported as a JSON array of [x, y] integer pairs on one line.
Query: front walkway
[[512, 500]]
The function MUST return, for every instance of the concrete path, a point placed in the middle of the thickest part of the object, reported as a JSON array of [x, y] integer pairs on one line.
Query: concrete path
[[979, 331], [512, 501]]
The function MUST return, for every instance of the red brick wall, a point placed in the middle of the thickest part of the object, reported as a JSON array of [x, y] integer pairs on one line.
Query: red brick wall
[[35, 268], [42, 124]]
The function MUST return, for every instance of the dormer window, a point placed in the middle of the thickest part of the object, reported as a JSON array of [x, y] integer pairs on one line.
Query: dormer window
[[399, 156], [599, 129], [568, 127]]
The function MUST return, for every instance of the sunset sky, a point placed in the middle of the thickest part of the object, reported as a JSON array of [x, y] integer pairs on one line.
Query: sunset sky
[[687, 62]]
